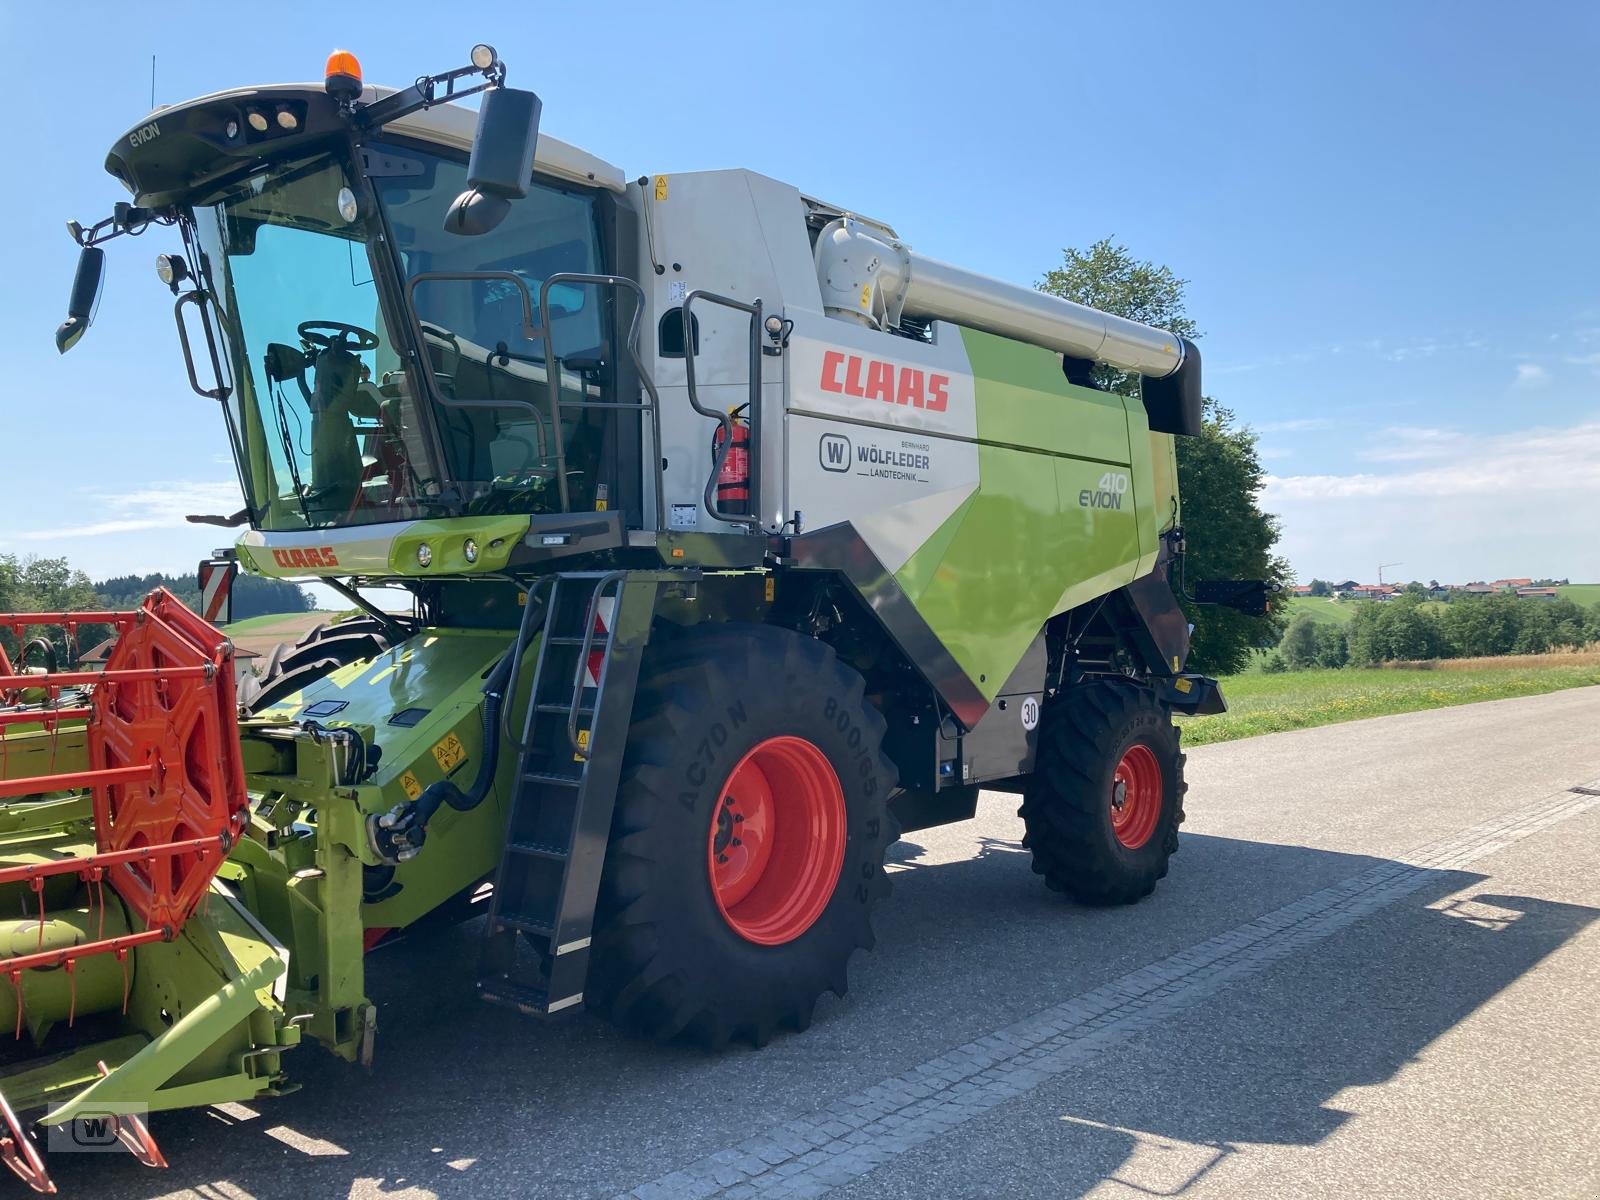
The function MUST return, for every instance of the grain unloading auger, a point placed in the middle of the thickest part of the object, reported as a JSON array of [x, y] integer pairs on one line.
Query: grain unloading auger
[[738, 537]]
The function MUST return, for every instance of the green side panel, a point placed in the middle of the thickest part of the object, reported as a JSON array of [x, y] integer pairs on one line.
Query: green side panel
[[1021, 549], [1044, 532], [1025, 400], [421, 702], [922, 570]]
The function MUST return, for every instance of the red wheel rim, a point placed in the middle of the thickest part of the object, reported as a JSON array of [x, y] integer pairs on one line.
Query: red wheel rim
[[777, 841], [1136, 796]]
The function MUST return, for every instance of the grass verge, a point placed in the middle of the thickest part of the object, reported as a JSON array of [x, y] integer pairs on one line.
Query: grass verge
[[1262, 703]]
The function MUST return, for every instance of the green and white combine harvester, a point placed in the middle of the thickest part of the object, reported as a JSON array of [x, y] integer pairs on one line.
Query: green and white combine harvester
[[738, 538]]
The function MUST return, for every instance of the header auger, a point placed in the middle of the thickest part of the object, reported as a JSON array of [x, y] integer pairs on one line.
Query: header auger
[[738, 537]]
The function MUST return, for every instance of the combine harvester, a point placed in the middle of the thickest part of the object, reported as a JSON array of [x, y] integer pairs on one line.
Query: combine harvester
[[738, 537]]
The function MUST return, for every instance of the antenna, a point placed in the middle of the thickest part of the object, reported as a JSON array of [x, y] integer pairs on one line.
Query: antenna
[[1383, 566], [152, 82]]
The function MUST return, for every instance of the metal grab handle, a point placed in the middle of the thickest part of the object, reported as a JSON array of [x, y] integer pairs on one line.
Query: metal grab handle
[[197, 298], [553, 382], [724, 421], [529, 626], [591, 614]]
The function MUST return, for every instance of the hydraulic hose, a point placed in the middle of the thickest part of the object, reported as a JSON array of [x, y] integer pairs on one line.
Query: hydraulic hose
[[399, 833], [445, 791]]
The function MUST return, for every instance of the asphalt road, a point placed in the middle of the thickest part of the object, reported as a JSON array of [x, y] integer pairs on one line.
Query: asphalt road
[[1373, 971]]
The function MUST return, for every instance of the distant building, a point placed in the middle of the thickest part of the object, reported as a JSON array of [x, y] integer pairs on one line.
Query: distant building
[[1350, 590], [1302, 589], [1510, 585], [1537, 593]]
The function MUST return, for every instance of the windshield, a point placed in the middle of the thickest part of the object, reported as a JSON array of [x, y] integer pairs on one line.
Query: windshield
[[472, 297], [329, 432]]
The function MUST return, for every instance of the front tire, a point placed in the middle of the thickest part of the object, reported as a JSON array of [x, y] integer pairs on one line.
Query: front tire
[[747, 843], [1103, 806]]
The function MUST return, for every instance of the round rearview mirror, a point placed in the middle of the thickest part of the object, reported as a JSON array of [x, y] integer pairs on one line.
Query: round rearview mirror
[[475, 212]]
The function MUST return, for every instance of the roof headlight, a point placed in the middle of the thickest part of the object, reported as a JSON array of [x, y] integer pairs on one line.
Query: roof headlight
[[470, 549], [424, 555]]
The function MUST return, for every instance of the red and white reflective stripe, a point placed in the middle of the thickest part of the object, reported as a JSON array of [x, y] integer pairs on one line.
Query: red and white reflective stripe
[[602, 629], [216, 581]]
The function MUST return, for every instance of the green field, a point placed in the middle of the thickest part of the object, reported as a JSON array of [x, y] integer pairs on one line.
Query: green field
[[1323, 610], [1262, 703], [277, 620], [1586, 594]]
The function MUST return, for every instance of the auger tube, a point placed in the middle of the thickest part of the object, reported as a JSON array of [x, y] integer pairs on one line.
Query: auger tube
[[853, 262]]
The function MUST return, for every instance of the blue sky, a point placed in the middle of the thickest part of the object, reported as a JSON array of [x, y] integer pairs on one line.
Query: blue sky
[[1386, 212]]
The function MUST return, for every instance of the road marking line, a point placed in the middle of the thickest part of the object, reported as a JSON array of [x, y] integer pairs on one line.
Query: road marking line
[[859, 1133]]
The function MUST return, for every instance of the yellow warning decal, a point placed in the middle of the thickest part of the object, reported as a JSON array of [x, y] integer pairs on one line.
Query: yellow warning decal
[[409, 785], [1183, 685], [583, 746], [772, 589], [866, 295], [661, 187], [449, 753]]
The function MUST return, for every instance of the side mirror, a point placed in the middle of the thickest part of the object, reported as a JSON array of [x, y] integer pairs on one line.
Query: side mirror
[[1249, 596], [86, 285], [501, 165]]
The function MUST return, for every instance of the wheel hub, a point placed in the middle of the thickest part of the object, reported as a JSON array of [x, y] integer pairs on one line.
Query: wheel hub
[[776, 841], [1136, 796]]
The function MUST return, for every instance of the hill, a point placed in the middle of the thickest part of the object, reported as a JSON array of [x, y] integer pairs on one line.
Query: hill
[[1322, 610]]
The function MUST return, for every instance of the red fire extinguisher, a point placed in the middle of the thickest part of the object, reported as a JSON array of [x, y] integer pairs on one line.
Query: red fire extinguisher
[[733, 480]]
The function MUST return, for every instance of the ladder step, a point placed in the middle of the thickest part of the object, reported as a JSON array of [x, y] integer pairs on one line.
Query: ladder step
[[598, 642], [528, 924], [538, 850], [534, 1001], [584, 710], [550, 778]]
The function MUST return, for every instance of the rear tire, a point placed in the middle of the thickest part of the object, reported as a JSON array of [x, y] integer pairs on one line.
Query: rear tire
[[1103, 806], [695, 937]]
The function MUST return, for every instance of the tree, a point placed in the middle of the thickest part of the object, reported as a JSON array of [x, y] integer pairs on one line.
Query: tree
[[1107, 276], [1220, 475], [47, 585], [1299, 646], [1476, 626], [1333, 649], [1321, 587], [253, 596]]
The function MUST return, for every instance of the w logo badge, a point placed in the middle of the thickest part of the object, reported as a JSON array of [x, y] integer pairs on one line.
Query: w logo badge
[[834, 452]]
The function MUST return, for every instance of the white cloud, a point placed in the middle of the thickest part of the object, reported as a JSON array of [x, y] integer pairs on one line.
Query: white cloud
[[1409, 443], [1460, 505], [1530, 375], [157, 506]]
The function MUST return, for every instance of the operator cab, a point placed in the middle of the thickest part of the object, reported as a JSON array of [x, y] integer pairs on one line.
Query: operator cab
[[397, 330]]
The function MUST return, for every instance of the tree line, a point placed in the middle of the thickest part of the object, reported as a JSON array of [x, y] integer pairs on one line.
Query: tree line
[[1411, 628], [52, 585]]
